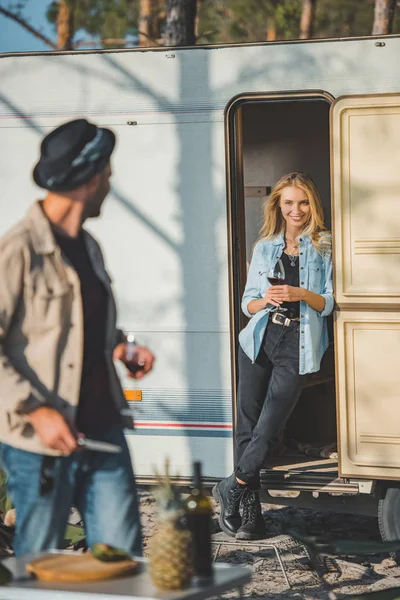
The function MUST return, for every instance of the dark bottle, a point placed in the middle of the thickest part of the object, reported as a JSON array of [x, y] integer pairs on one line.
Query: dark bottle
[[199, 515]]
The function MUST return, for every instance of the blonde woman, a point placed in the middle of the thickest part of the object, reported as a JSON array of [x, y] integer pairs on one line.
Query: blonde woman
[[284, 340]]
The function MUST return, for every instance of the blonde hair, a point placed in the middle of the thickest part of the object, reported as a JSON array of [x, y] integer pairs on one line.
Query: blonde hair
[[274, 224]]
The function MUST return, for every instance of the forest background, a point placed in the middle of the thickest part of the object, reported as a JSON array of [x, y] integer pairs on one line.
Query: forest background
[[82, 24]]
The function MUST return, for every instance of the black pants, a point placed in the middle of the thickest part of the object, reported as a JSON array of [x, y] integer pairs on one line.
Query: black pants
[[268, 392]]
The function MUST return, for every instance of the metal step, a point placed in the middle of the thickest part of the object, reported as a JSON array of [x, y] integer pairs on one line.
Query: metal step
[[307, 483], [309, 476]]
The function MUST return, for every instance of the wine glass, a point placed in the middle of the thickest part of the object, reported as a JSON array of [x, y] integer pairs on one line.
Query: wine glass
[[276, 276]]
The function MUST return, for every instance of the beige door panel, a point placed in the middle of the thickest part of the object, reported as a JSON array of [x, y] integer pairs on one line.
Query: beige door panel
[[366, 206], [368, 374], [365, 134]]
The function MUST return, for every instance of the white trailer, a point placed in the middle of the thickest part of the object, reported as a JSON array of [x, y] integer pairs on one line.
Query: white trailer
[[202, 134]]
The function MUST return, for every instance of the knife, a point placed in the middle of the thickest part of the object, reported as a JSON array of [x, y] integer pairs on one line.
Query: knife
[[97, 445]]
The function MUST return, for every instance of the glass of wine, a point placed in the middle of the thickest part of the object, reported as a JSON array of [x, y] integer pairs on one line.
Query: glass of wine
[[276, 276]]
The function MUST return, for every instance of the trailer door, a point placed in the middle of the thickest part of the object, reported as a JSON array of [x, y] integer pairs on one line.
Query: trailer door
[[365, 134]]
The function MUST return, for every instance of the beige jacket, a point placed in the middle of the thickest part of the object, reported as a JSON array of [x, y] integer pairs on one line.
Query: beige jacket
[[41, 329]]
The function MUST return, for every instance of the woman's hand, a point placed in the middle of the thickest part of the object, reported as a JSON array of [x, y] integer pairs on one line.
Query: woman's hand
[[271, 297], [276, 294], [288, 293], [254, 306]]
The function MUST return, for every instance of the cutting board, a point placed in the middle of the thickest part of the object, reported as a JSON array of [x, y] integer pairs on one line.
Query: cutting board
[[78, 567]]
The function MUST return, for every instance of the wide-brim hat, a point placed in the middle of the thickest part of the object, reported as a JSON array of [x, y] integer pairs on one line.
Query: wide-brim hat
[[72, 154]]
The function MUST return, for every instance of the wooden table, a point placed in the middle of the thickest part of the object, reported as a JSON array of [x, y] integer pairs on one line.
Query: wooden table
[[138, 586]]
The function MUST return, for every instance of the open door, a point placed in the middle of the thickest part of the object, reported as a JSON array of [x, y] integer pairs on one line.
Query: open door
[[365, 134]]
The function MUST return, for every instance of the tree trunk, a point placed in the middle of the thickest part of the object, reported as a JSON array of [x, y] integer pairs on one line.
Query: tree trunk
[[65, 24], [196, 21], [180, 25], [307, 19], [146, 23], [271, 29], [383, 17]]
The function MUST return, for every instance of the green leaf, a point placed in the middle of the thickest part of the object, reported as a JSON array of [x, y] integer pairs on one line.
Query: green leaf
[[5, 575], [4, 500], [107, 553], [73, 535]]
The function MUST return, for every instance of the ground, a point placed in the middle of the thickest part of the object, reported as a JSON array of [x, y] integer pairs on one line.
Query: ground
[[345, 576]]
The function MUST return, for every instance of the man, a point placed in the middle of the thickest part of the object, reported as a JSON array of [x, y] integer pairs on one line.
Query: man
[[58, 338]]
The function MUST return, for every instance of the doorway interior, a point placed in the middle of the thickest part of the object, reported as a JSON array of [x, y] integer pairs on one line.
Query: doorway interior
[[269, 135]]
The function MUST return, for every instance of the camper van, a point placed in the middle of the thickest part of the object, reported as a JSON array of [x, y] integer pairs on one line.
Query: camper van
[[202, 135]]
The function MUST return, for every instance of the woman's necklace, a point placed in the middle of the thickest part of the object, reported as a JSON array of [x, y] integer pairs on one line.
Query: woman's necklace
[[292, 258], [293, 253]]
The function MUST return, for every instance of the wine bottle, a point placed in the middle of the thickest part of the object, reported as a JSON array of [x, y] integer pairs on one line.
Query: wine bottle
[[199, 514]]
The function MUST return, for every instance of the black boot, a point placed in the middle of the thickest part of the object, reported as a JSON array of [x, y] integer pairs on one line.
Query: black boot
[[228, 493], [253, 526]]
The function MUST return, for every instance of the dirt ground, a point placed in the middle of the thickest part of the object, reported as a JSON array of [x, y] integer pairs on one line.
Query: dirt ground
[[345, 576]]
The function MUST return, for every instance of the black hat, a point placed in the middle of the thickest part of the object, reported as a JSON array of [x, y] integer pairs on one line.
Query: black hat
[[72, 154]]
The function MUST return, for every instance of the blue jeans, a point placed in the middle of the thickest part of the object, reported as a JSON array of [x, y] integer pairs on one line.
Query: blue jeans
[[101, 486]]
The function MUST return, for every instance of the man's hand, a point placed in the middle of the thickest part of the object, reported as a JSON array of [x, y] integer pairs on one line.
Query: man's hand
[[288, 293], [143, 357], [52, 429]]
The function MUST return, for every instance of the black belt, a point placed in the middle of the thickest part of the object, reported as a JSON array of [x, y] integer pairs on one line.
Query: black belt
[[282, 319], [290, 313]]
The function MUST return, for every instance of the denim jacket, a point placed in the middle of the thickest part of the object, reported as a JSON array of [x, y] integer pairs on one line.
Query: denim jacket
[[315, 275]]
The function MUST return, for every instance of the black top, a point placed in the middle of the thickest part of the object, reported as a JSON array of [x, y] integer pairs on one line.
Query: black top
[[96, 409], [292, 277]]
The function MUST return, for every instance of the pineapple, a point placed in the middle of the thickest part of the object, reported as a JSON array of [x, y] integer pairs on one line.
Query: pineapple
[[170, 548]]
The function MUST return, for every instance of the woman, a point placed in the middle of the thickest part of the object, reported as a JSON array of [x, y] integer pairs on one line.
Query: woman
[[284, 340]]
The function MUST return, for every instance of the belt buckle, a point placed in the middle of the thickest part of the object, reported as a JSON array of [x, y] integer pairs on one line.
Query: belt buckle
[[275, 319]]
